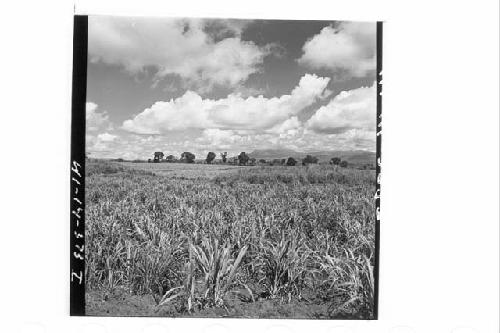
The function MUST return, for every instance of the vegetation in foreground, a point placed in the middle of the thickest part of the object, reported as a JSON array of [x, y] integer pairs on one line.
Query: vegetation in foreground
[[239, 241]]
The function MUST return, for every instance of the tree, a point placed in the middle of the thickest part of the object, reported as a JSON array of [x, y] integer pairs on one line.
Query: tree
[[149, 160], [291, 161], [335, 161], [262, 161], [224, 156], [243, 158], [309, 159], [210, 157], [343, 164], [283, 161], [187, 157], [170, 159], [252, 161], [158, 156]]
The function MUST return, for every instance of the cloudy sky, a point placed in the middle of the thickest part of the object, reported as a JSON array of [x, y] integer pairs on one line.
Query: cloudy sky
[[176, 85]]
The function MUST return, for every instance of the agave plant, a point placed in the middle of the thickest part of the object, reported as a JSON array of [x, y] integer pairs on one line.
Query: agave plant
[[217, 266], [284, 265], [352, 277], [218, 269]]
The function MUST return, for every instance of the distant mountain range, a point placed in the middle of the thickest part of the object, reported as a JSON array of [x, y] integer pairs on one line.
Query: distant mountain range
[[351, 156]]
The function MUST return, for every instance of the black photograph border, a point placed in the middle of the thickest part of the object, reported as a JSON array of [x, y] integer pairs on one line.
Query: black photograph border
[[378, 155], [77, 174]]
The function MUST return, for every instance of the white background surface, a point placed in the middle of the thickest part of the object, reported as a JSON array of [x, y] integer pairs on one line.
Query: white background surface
[[439, 258]]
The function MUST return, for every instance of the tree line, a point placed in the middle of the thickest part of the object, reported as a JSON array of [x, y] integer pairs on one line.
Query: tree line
[[242, 159]]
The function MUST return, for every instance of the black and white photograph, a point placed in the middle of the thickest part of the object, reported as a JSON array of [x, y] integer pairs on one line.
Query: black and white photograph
[[253, 166], [230, 168]]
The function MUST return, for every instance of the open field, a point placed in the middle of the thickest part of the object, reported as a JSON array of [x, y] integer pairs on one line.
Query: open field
[[217, 240], [185, 170]]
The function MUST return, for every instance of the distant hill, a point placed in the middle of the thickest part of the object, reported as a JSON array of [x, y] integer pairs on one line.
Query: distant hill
[[273, 153], [351, 156]]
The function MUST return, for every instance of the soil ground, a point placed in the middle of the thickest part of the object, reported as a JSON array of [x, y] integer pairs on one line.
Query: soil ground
[[124, 304]]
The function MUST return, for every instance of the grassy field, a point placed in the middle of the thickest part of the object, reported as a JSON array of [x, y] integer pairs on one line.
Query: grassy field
[[227, 241]]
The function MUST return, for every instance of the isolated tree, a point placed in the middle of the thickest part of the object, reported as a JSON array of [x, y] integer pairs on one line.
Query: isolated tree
[[335, 161], [343, 164], [309, 159], [170, 159], [188, 157], [149, 160], [224, 156], [210, 157], [158, 156], [243, 158], [291, 161]]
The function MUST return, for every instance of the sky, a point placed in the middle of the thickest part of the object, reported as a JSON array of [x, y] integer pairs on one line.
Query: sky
[[200, 85]]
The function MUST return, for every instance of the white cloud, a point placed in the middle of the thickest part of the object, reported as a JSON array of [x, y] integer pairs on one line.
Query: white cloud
[[353, 139], [95, 145], [106, 137], [289, 127], [103, 143], [231, 113], [350, 47], [132, 146], [353, 109], [299, 139], [190, 123], [95, 120], [176, 46], [217, 137]]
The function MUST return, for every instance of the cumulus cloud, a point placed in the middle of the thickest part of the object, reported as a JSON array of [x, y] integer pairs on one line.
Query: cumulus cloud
[[95, 145], [133, 146], [216, 136], [191, 123], [289, 127], [216, 139], [106, 137], [231, 113], [350, 47], [201, 53], [103, 143], [353, 109], [95, 120], [353, 139]]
